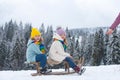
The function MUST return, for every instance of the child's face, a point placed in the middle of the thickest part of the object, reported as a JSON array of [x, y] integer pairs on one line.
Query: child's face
[[37, 38], [63, 36]]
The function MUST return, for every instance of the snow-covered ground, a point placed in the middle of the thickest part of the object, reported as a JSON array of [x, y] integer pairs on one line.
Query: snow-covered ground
[[111, 72]]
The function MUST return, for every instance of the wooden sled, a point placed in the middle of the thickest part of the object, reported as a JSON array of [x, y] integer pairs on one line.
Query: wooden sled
[[66, 65], [67, 71]]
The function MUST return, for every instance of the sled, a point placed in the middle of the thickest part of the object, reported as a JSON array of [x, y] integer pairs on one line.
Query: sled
[[66, 66], [67, 71]]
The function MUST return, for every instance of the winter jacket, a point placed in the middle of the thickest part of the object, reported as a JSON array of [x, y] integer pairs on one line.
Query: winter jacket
[[56, 52], [32, 51], [116, 22]]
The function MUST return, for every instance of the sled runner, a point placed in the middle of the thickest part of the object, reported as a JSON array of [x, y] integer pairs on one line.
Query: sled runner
[[53, 73], [82, 71], [59, 73]]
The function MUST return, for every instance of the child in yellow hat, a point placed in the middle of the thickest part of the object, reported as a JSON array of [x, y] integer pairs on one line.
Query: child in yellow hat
[[35, 49], [35, 33]]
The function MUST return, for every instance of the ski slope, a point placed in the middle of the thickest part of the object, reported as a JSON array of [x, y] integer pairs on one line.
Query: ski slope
[[111, 72]]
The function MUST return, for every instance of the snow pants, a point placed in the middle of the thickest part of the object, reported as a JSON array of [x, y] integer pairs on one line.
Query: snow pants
[[42, 59], [70, 62]]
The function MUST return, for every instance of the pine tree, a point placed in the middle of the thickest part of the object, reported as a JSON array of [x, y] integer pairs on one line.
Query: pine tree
[[3, 52], [88, 49], [16, 55], [98, 50], [42, 29], [77, 49], [20, 31], [83, 45], [115, 51], [27, 32], [106, 50], [69, 40], [72, 46], [11, 27], [101, 44], [48, 38], [1, 33]]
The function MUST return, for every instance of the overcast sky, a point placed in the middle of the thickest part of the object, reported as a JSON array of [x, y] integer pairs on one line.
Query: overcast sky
[[71, 13]]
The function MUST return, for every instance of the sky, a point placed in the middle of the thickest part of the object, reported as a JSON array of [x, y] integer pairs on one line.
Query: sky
[[65, 13]]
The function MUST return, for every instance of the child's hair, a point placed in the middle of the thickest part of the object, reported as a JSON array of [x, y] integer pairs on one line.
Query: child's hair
[[65, 41], [41, 39]]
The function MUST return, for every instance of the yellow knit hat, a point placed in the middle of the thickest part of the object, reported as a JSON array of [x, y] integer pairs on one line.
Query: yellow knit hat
[[35, 32]]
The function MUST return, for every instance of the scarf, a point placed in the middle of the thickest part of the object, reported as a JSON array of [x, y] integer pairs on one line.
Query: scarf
[[41, 47], [64, 45]]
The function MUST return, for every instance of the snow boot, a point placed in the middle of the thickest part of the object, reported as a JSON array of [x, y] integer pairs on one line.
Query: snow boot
[[45, 70], [77, 69]]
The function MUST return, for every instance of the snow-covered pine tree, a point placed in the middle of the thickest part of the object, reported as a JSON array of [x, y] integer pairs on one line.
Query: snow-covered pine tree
[[101, 44], [72, 47], [42, 29], [77, 49], [68, 36], [27, 32], [88, 49], [115, 48], [11, 27], [48, 38], [3, 53], [83, 45], [17, 55], [1, 33], [20, 31], [106, 50], [98, 48]]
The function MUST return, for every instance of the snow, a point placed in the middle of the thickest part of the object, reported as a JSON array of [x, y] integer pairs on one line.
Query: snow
[[111, 72]]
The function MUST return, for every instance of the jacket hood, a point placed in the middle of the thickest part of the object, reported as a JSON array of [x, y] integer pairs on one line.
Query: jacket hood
[[29, 42], [56, 36]]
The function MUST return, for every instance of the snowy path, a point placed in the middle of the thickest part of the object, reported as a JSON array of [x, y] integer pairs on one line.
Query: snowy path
[[92, 73]]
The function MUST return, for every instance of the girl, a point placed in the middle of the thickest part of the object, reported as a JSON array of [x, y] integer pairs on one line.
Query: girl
[[35, 50], [57, 50]]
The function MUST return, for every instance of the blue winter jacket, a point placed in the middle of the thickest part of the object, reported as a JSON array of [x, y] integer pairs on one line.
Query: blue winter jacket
[[32, 51]]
